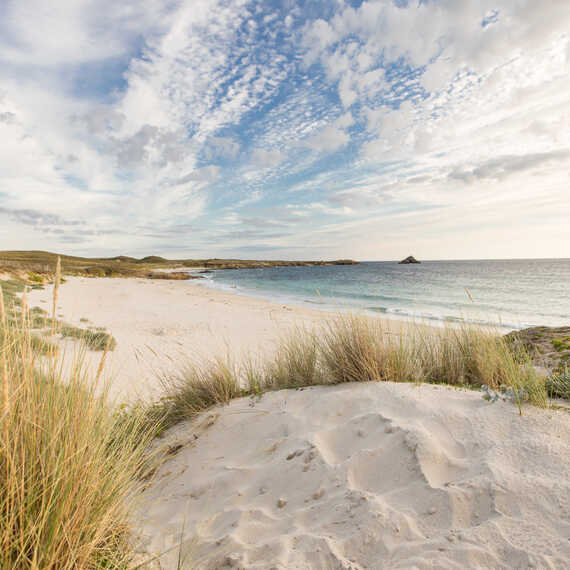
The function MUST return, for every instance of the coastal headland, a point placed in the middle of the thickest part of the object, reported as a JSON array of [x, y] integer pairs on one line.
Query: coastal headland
[[43, 262]]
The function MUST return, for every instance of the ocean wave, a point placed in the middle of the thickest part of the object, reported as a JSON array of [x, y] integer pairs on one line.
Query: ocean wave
[[422, 316]]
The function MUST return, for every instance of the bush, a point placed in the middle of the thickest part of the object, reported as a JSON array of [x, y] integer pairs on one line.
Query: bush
[[558, 385], [35, 278]]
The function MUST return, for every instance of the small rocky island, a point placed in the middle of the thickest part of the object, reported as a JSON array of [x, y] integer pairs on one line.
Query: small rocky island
[[409, 259]]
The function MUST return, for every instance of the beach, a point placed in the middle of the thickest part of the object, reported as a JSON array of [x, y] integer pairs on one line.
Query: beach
[[353, 476], [285, 285], [162, 325]]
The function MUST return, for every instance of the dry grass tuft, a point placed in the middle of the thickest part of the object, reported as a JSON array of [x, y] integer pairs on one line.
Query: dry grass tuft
[[193, 390], [351, 350], [358, 349], [2, 308], [295, 363]]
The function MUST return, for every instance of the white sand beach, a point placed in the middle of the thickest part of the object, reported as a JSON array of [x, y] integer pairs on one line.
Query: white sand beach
[[160, 325], [354, 476], [304, 277]]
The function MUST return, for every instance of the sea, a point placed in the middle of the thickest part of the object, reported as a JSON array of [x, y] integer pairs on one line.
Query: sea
[[507, 294]]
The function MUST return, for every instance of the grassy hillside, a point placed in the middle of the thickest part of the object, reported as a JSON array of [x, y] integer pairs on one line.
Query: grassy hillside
[[42, 262]]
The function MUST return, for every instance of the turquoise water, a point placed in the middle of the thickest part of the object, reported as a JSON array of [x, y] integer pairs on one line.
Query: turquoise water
[[511, 294]]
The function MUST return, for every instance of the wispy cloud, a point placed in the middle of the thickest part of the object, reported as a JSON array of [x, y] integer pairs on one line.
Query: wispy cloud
[[36, 218]]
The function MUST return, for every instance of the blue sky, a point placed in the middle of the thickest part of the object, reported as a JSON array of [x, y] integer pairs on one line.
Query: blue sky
[[286, 129]]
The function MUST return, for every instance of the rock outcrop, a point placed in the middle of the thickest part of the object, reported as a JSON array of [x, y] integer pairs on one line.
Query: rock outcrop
[[410, 259], [173, 276], [548, 347]]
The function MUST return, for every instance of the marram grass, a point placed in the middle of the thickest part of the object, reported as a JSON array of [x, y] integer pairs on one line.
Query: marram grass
[[68, 463], [558, 384], [358, 349]]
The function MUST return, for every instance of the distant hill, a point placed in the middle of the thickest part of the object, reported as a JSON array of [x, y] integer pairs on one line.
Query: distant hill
[[124, 258], [153, 259]]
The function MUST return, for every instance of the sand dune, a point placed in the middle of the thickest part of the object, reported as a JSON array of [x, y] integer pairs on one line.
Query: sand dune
[[364, 476]]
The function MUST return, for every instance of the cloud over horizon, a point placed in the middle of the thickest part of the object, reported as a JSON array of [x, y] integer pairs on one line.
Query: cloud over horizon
[[288, 128]]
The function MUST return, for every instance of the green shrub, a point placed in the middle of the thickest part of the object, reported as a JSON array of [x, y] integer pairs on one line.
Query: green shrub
[[95, 340], [35, 277], [561, 344], [558, 385]]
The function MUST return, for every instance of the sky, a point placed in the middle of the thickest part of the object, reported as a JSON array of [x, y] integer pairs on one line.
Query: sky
[[286, 129]]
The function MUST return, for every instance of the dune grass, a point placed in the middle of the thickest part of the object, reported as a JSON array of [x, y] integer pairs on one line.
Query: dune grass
[[193, 390], [357, 349], [68, 462]]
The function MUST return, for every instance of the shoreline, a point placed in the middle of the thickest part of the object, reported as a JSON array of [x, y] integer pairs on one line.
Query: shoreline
[[335, 309]]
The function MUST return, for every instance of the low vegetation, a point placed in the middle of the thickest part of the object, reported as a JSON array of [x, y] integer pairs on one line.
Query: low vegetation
[[549, 347], [558, 384], [35, 278], [355, 349], [68, 462], [95, 340], [41, 325]]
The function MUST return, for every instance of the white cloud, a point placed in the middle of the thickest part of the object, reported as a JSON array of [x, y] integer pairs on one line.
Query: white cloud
[[221, 147], [139, 113], [267, 158], [137, 153], [328, 139], [37, 33], [332, 137]]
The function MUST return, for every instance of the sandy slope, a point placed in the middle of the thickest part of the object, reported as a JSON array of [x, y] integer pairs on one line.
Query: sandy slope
[[365, 476]]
